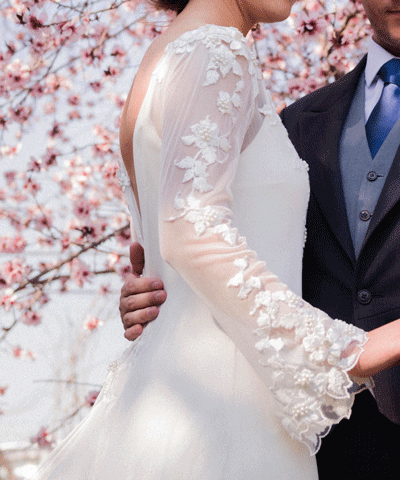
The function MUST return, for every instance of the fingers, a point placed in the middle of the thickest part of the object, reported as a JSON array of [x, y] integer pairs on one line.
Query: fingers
[[134, 285], [134, 322], [139, 302], [279, 108], [136, 254], [133, 333]]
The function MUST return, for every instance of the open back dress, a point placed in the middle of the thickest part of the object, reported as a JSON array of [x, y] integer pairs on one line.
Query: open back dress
[[238, 378]]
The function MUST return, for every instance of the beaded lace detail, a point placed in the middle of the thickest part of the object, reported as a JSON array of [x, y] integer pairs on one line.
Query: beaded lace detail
[[306, 355], [123, 178]]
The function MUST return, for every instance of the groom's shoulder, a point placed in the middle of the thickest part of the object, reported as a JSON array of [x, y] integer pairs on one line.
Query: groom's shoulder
[[325, 96]]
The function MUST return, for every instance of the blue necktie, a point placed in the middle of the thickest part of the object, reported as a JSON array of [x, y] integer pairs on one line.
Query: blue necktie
[[387, 110]]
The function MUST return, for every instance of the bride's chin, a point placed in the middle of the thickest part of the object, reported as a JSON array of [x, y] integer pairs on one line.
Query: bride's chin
[[277, 16]]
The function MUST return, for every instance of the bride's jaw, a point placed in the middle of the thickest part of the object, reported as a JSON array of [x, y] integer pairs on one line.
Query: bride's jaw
[[266, 11], [242, 14]]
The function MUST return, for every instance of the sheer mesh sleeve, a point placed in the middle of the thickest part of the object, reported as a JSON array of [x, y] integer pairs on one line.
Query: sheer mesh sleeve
[[297, 350]]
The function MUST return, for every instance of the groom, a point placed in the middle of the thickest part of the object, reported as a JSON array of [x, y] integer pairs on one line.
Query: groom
[[349, 133]]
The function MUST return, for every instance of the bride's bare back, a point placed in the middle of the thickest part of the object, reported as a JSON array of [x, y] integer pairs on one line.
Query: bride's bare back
[[196, 14]]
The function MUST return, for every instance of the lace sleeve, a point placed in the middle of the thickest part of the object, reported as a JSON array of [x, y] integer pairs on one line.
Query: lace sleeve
[[297, 350]]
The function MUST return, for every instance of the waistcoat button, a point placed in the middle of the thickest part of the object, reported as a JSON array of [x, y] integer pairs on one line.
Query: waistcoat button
[[364, 297], [372, 176], [365, 215]]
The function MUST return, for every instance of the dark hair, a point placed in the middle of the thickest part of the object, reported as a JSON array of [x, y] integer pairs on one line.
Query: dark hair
[[174, 5]]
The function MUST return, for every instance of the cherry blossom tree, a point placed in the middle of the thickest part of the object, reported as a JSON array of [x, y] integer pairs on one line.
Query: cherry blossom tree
[[65, 69]]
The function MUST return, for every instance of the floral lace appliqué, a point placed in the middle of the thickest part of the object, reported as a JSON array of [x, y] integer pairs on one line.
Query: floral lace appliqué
[[123, 179], [308, 391], [302, 346]]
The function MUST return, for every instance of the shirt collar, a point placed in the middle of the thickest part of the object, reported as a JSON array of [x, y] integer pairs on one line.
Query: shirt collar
[[377, 56]]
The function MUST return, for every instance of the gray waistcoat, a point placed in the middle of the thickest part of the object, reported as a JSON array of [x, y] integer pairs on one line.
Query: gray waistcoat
[[363, 177]]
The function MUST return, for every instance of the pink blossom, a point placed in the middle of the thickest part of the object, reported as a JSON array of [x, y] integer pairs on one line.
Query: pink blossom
[[15, 271], [92, 56], [44, 298], [74, 115], [40, 44], [17, 74], [3, 122], [125, 270], [10, 151], [97, 86], [3, 389], [101, 149], [53, 83], [31, 186], [31, 318], [8, 299], [105, 289], [30, 355], [69, 30], [64, 284], [49, 159], [45, 242], [20, 114], [44, 438], [124, 238], [112, 72], [34, 165], [119, 101], [38, 90], [91, 397], [112, 260], [82, 208], [65, 241], [100, 32], [80, 272], [109, 170], [92, 231], [310, 25], [74, 100], [10, 177], [49, 107], [15, 244], [35, 23], [132, 5], [17, 351], [91, 323], [56, 131], [119, 53]]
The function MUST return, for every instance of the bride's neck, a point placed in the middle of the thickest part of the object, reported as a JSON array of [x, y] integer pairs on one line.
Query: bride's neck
[[226, 13]]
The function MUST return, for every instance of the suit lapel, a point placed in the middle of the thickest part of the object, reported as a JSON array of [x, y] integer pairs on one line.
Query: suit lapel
[[389, 196], [324, 123]]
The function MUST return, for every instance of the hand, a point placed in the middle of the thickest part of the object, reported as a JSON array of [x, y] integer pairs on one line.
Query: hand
[[382, 351], [280, 107], [140, 297]]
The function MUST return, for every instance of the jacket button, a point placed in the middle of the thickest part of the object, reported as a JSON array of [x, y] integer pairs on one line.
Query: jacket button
[[372, 176], [364, 297], [365, 215]]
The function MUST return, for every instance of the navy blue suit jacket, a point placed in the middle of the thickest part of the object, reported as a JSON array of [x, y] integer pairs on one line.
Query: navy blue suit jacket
[[366, 291]]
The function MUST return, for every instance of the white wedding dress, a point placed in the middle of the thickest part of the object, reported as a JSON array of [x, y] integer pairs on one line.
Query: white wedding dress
[[238, 378]]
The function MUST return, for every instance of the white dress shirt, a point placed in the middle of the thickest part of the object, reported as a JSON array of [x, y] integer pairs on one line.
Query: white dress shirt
[[377, 56]]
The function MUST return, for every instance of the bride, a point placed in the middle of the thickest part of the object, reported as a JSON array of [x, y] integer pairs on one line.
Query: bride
[[239, 378]]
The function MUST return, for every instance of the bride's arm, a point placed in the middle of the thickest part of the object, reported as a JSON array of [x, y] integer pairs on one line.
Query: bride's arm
[[381, 352], [141, 298], [208, 99]]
